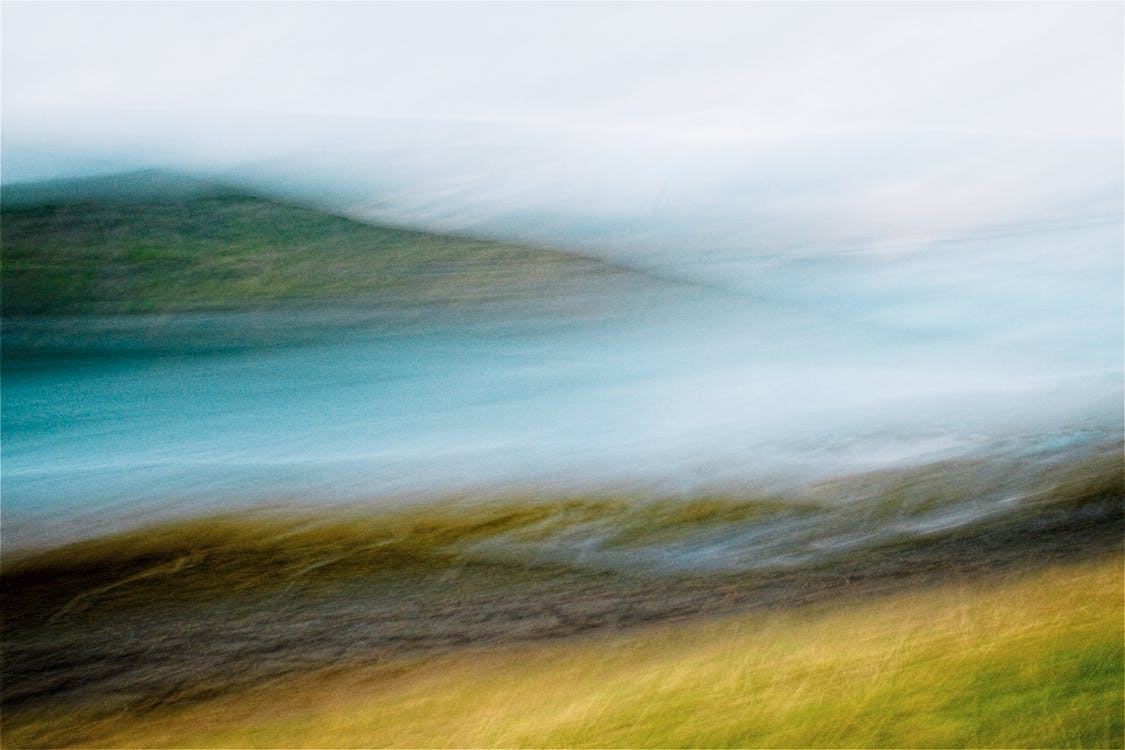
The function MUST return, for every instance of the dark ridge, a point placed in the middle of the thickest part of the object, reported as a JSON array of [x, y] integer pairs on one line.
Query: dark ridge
[[142, 186], [154, 261]]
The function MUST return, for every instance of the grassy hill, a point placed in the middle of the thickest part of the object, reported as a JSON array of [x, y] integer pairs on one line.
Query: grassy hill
[[155, 243]]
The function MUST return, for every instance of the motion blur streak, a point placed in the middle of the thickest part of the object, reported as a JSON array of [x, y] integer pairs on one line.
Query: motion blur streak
[[349, 333]]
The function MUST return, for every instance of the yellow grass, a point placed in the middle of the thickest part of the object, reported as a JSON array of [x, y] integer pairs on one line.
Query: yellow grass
[[1031, 661]]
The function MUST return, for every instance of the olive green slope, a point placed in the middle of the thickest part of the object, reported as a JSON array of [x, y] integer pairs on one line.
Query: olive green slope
[[103, 250]]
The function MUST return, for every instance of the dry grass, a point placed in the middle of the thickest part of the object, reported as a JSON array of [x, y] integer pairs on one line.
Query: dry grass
[[1030, 661]]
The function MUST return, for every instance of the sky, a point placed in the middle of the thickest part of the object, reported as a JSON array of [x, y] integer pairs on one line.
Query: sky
[[703, 124], [705, 71]]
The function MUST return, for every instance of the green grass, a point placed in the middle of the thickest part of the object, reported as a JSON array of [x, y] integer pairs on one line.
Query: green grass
[[1018, 661], [222, 250]]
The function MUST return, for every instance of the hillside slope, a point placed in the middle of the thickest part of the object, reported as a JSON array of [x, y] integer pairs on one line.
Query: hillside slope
[[99, 248]]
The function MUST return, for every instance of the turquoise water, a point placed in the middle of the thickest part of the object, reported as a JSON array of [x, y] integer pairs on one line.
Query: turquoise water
[[704, 390]]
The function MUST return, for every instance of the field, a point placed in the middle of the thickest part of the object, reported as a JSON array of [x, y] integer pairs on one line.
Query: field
[[1031, 660]]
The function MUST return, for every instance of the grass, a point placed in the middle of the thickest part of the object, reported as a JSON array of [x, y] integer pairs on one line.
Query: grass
[[222, 250], [1031, 660], [186, 631], [256, 550]]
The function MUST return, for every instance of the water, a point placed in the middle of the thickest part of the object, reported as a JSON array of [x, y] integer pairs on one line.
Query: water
[[698, 390]]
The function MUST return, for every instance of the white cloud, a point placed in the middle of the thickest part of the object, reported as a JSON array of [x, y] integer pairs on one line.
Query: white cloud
[[737, 69]]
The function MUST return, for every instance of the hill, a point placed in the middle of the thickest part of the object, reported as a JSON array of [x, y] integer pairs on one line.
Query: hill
[[159, 243]]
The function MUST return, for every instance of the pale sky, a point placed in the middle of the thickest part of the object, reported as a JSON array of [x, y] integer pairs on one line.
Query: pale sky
[[707, 71]]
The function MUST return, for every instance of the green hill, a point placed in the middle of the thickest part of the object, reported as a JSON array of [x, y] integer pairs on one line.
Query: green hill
[[154, 243]]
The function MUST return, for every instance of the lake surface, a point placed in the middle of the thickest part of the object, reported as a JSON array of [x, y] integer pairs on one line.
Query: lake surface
[[824, 367]]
